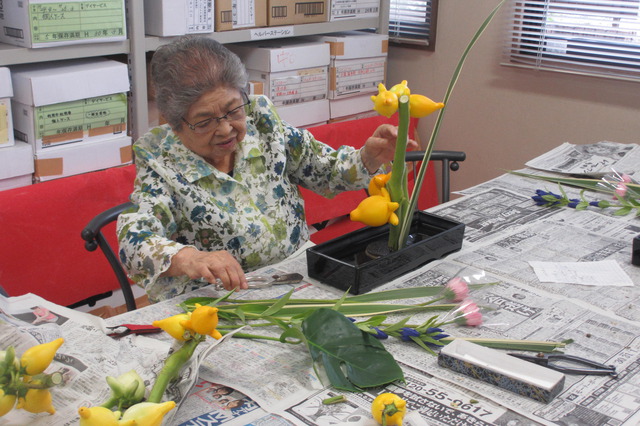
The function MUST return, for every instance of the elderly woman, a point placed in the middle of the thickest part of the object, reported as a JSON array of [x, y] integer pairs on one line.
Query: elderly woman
[[216, 191]]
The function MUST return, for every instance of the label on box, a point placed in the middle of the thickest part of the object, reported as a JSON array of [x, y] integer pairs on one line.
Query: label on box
[[199, 16], [96, 115], [4, 124], [243, 13], [69, 21], [357, 77], [303, 86], [343, 9]]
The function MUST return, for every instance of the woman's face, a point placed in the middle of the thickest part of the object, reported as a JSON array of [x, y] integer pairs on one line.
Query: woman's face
[[218, 143]]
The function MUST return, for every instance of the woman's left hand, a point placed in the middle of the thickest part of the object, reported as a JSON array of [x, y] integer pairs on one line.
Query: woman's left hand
[[380, 147]]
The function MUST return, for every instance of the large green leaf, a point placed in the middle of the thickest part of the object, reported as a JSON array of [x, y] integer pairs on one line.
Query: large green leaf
[[351, 358]]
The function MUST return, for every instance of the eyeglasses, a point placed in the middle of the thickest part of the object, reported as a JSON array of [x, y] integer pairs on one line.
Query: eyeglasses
[[210, 124]]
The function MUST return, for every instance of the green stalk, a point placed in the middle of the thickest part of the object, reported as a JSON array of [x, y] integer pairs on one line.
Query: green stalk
[[518, 345], [397, 185], [586, 183], [172, 367], [405, 221]]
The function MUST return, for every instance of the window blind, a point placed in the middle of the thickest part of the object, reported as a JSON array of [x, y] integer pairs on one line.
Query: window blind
[[594, 37], [413, 22]]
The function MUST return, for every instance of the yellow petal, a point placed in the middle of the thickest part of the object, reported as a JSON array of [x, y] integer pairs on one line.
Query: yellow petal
[[37, 358]]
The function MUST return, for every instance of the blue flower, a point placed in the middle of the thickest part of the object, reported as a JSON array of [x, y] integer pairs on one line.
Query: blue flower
[[278, 192], [379, 334], [279, 167], [197, 214], [407, 333]]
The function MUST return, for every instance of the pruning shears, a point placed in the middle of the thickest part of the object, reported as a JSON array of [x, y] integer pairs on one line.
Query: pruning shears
[[262, 281], [569, 364]]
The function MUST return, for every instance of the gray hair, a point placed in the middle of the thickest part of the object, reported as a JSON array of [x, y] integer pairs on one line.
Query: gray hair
[[185, 69]]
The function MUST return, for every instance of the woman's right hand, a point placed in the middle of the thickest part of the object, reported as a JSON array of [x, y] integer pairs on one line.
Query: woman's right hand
[[210, 266]]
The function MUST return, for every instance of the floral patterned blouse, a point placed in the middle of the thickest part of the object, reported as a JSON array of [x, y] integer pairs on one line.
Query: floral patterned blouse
[[257, 213]]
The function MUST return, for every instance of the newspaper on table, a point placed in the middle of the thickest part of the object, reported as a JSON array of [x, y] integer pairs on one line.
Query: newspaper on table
[[597, 159], [252, 381]]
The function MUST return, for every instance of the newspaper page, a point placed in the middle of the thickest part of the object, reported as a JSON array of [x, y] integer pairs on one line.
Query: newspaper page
[[596, 159]]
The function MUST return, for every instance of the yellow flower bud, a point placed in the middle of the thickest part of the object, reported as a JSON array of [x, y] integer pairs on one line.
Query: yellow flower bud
[[37, 401], [148, 413], [401, 89], [385, 102], [203, 320], [173, 326], [7, 402], [37, 358], [100, 416], [391, 406], [421, 106], [378, 182]]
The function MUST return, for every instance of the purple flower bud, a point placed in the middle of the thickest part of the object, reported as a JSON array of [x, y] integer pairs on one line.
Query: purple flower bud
[[407, 333]]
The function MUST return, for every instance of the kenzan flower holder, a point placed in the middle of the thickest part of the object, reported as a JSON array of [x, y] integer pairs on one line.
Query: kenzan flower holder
[[345, 264]]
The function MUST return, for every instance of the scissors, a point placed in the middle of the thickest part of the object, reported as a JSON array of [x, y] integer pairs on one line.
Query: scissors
[[262, 281], [561, 362], [127, 329]]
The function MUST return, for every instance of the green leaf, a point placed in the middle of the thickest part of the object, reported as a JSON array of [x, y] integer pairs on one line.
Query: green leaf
[[279, 304], [352, 359]]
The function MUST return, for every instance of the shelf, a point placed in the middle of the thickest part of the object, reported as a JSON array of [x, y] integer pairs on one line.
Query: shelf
[[238, 36], [14, 55]]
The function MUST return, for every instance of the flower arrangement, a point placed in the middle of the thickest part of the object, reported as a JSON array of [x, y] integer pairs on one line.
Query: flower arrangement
[[394, 205], [624, 190]]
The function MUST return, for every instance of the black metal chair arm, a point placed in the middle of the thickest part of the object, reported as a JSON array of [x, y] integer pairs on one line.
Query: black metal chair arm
[[449, 161]]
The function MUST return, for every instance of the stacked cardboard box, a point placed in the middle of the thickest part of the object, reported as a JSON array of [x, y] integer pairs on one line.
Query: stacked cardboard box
[[165, 18], [36, 23], [292, 74], [73, 114], [358, 66]]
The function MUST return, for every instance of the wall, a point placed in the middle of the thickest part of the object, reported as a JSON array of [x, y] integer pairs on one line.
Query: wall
[[503, 116]]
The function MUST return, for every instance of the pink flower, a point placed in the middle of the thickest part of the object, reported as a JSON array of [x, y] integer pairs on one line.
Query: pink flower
[[456, 289], [625, 178], [469, 314], [621, 189]]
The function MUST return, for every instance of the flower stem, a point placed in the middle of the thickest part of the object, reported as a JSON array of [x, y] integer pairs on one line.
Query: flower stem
[[172, 367], [397, 185]]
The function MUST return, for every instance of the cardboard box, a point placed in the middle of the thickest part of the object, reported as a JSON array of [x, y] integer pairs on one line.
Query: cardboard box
[[282, 55], [351, 77], [355, 44], [306, 114], [177, 17], [6, 120], [16, 166], [73, 159], [38, 23], [350, 9], [69, 101], [294, 12], [240, 14], [350, 106], [293, 87]]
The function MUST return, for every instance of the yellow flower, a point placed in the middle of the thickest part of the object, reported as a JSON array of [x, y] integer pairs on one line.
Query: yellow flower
[[203, 320], [37, 401], [100, 416], [173, 326], [388, 409], [376, 210], [421, 106], [148, 413], [37, 358], [7, 402], [385, 102]]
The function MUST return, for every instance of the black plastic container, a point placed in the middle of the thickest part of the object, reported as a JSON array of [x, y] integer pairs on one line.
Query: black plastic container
[[344, 264]]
